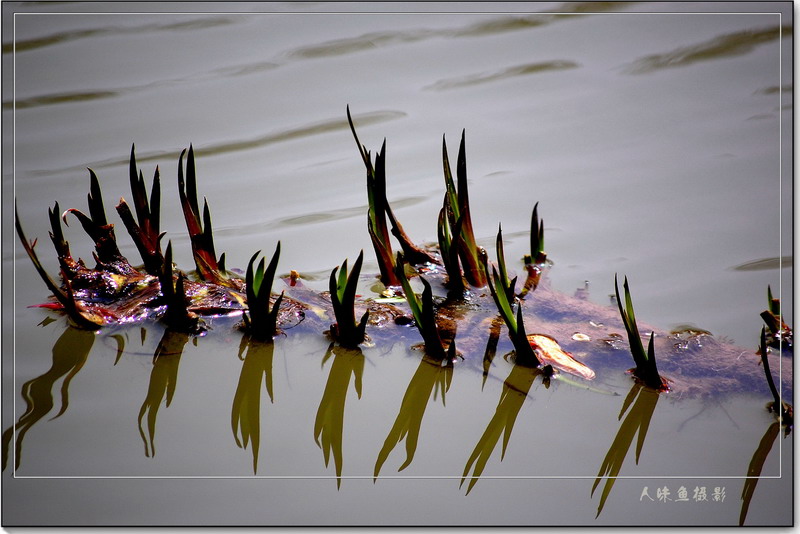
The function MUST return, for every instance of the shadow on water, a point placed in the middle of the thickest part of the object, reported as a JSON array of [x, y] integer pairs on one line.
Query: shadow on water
[[430, 378], [637, 420], [722, 46], [329, 423], [246, 410], [163, 380], [69, 355], [515, 391]]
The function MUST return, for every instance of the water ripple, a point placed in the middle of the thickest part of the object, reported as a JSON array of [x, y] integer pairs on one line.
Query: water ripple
[[74, 35], [722, 46], [765, 264], [59, 98], [511, 72]]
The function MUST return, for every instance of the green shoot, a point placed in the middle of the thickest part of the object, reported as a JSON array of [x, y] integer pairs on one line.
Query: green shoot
[[457, 200], [200, 231], [144, 230], [646, 369], [502, 290], [449, 243], [97, 226], [424, 315], [261, 320], [346, 330], [537, 255], [174, 296]]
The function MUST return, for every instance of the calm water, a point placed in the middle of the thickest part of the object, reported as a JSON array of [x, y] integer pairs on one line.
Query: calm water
[[658, 146]]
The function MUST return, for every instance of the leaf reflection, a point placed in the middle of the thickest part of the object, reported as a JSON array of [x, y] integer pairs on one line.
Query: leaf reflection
[[432, 376], [329, 423], [755, 467], [245, 413], [515, 391], [69, 355], [163, 379], [637, 420]]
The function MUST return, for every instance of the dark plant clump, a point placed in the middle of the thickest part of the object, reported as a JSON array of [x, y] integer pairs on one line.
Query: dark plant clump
[[346, 330], [782, 410], [778, 333], [425, 316], [645, 370], [173, 292], [261, 320]]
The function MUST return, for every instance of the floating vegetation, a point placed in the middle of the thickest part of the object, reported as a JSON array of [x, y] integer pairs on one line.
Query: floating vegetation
[[346, 330], [645, 370], [261, 320]]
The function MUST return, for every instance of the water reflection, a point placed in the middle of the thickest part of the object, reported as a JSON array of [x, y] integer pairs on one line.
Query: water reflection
[[510, 72], [246, 410], [637, 420], [329, 423], [69, 355], [722, 46], [431, 377], [755, 467], [515, 391], [163, 379]]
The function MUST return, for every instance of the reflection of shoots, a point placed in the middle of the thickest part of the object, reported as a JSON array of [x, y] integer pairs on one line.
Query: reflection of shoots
[[449, 244], [80, 315], [503, 294], [515, 391], [163, 379], [261, 321], [343, 294], [424, 315], [755, 467], [69, 355], [329, 423], [173, 293], [145, 229], [536, 261], [646, 370], [637, 420], [457, 201], [779, 335], [782, 410], [200, 231], [97, 226], [431, 376], [245, 413]]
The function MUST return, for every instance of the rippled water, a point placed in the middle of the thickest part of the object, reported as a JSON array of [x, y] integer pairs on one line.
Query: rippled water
[[658, 146]]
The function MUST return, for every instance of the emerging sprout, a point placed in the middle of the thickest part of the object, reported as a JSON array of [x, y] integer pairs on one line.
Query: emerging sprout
[[457, 202], [424, 315], [645, 370], [779, 335], [200, 231], [346, 330], [261, 320], [144, 230], [536, 260], [449, 244], [173, 292], [503, 294]]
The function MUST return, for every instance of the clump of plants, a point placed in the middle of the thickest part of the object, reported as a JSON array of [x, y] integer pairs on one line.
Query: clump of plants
[[145, 229], [456, 203], [646, 370], [502, 290], [424, 315], [378, 212], [536, 261], [346, 331], [261, 319], [173, 294]]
